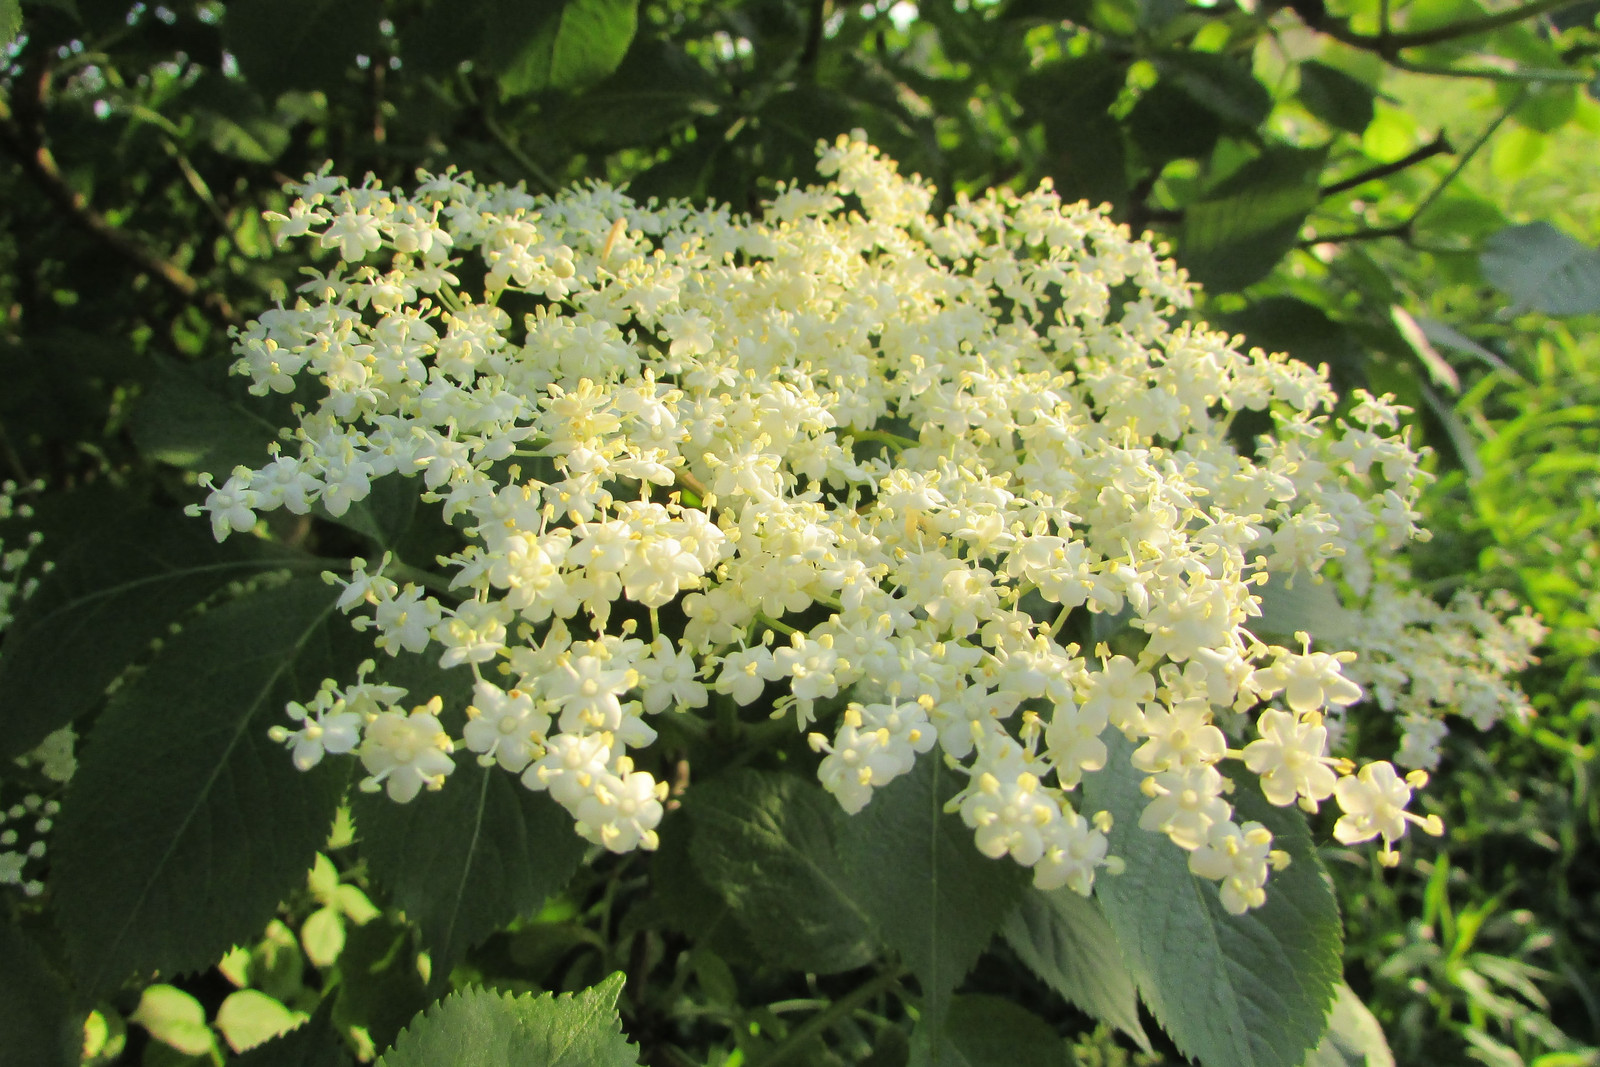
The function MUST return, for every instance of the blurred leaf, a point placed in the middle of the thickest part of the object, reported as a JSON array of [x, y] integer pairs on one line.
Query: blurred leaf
[[1072, 98], [767, 844], [1546, 108], [1354, 1038], [41, 1026], [313, 1043], [322, 935], [1438, 368], [1236, 234], [220, 804], [388, 989], [300, 44], [481, 1028], [1516, 149], [987, 1031], [1312, 606], [1542, 268], [915, 872], [248, 1017], [1168, 123], [1441, 333], [1304, 330], [113, 592], [1065, 940], [1342, 101], [1248, 990], [1221, 84], [10, 21], [174, 1018], [564, 45]]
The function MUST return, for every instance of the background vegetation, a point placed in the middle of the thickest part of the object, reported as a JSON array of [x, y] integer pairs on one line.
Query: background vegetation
[[1402, 189]]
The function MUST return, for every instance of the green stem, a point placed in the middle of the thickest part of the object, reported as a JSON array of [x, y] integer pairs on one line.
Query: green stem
[[438, 583], [838, 1010]]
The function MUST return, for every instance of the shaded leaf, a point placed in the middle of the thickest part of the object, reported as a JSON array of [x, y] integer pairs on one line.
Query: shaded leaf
[[186, 417], [986, 1031], [10, 21], [1065, 940], [224, 826], [1237, 232], [40, 1024], [767, 844], [299, 44], [1248, 990], [565, 45], [248, 1017], [114, 591], [1541, 267], [1342, 101], [479, 1028], [314, 1043], [1221, 84], [914, 870], [174, 1018]]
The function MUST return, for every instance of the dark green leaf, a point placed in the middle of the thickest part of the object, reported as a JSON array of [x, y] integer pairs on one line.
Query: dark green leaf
[[767, 843], [558, 46], [1248, 990], [383, 989], [914, 870], [480, 1028], [113, 592], [300, 44], [1064, 939], [189, 418], [224, 827], [1168, 123], [1286, 324], [1221, 84], [1342, 101], [985, 1031], [1543, 268], [385, 514], [1086, 155], [1354, 1038], [467, 860], [37, 1018], [1241, 228]]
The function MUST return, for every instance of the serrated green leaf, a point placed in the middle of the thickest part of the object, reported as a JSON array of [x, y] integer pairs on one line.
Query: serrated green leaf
[[224, 827], [914, 871], [986, 1031], [1342, 101], [1248, 990], [1237, 232], [479, 1028], [1541, 267], [248, 1017], [466, 860], [558, 46], [113, 592], [322, 935], [10, 21], [41, 1027], [1065, 940], [768, 845], [174, 1018], [1354, 1038]]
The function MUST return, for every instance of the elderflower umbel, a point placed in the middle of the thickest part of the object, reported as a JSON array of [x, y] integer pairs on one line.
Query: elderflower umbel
[[870, 466]]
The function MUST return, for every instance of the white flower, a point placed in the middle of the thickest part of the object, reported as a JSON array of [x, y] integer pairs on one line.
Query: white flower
[[406, 752]]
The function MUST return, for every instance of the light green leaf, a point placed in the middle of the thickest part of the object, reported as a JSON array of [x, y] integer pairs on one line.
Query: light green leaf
[[985, 1031], [1065, 940], [249, 1017], [768, 845], [1306, 604], [312, 1043], [224, 827], [10, 21], [1541, 267], [479, 1028], [174, 1018], [108, 597], [559, 46], [41, 1027], [466, 860], [1354, 1038], [1237, 232], [322, 934], [1248, 990], [1516, 149], [355, 904], [914, 871]]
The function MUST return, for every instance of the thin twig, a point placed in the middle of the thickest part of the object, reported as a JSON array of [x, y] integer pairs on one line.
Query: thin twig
[[1387, 44], [1438, 146]]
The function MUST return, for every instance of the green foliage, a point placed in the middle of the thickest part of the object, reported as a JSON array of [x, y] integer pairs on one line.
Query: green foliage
[[1250, 989], [1544, 269], [479, 1027], [36, 1011]]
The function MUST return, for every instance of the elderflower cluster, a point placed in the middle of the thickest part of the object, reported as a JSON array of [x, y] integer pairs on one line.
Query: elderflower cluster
[[1420, 661], [843, 461], [16, 585]]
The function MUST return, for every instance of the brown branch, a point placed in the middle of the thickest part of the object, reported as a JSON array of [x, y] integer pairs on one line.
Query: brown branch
[[1390, 44], [40, 165], [1438, 146]]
